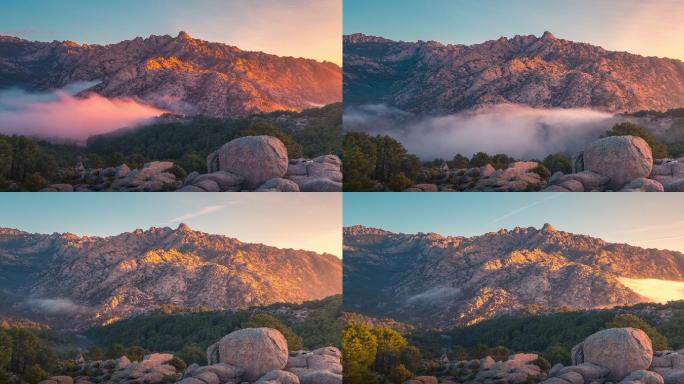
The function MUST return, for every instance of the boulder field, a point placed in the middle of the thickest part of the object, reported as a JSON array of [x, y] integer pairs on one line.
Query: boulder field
[[250, 355], [615, 355], [617, 163], [250, 163]]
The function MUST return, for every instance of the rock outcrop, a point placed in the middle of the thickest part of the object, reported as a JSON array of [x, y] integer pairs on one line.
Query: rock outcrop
[[256, 355], [261, 163], [154, 368], [256, 350], [518, 368], [620, 350], [260, 355], [459, 281], [619, 163], [427, 77], [156, 176], [519, 176], [250, 163], [110, 278], [619, 355], [620, 158], [179, 74], [255, 158]]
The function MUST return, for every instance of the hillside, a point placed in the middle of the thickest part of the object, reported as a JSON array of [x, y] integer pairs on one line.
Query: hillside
[[442, 282], [180, 74], [434, 78], [73, 282]]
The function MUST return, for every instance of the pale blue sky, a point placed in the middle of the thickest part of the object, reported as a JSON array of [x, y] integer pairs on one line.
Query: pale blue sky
[[310, 221], [306, 28], [647, 27], [644, 220]]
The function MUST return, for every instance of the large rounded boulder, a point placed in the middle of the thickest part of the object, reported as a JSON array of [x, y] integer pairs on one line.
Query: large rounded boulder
[[620, 158], [620, 350], [256, 158], [256, 350]]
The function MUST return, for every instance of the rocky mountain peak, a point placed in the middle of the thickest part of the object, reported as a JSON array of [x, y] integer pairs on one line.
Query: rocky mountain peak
[[182, 35], [548, 228], [549, 36], [11, 232], [360, 230], [358, 38], [182, 227]]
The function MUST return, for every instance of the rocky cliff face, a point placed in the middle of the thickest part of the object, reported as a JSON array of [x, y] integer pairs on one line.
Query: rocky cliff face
[[180, 74], [72, 281], [442, 282], [430, 77]]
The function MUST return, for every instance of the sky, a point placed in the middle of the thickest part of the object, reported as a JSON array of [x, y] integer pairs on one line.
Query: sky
[[300, 28], [646, 27], [632, 218], [309, 221]]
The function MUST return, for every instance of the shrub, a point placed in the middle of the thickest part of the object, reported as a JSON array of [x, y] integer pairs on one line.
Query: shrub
[[135, 161], [178, 172], [499, 353], [479, 159], [555, 354], [177, 363], [542, 171], [400, 374], [135, 353], [35, 374], [542, 363], [557, 162], [193, 354], [399, 182], [459, 161]]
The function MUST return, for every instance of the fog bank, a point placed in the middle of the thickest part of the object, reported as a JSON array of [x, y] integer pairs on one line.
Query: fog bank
[[519, 131], [659, 291], [60, 114]]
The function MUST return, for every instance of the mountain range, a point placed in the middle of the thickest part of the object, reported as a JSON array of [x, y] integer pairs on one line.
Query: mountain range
[[71, 281], [180, 74], [428, 77], [442, 282]]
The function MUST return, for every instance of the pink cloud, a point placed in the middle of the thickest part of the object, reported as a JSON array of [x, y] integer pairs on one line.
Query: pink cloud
[[62, 115]]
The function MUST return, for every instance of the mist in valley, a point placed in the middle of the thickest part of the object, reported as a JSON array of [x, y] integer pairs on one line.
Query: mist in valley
[[519, 131], [62, 114]]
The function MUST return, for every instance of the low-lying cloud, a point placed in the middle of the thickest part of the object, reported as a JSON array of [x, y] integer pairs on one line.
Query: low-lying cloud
[[435, 294], [659, 291], [60, 114], [516, 130], [57, 306]]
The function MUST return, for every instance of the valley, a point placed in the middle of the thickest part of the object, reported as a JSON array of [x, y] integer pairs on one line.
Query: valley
[[441, 110]]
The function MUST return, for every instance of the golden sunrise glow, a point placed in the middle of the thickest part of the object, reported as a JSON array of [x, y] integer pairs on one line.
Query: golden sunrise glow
[[654, 28], [659, 291]]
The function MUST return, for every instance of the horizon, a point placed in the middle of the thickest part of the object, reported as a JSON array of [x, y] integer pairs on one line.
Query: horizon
[[600, 216], [258, 219], [267, 26], [614, 27]]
